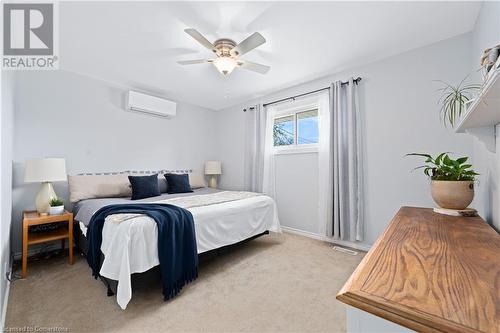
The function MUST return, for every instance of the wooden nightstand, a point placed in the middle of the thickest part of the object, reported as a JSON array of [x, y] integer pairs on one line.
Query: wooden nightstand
[[31, 218]]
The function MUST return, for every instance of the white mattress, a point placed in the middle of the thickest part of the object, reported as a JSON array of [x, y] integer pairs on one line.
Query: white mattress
[[131, 246]]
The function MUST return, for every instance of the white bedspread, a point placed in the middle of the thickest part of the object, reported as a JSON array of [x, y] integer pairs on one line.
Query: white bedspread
[[130, 241]]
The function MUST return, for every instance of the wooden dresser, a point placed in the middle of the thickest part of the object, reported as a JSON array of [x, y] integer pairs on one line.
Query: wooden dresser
[[431, 273]]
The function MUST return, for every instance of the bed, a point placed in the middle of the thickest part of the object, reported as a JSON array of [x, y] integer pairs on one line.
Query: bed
[[129, 245]]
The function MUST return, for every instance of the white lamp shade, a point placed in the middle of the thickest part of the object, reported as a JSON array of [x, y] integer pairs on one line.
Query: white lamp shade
[[45, 170], [213, 168]]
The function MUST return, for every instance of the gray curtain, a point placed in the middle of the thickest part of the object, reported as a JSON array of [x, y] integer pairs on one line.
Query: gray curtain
[[255, 128], [347, 163]]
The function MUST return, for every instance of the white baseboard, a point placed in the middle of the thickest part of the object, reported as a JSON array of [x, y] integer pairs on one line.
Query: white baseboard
[[302, 233], [357, 246], [5, 301]]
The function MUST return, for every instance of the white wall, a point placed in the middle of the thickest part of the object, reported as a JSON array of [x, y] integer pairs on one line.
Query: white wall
[[296, 180], [6, 137], [62, 114], [400, 115], [487, 34]]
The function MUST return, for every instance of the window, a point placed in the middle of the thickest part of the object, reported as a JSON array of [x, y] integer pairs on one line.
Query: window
[[284, 131], [297, 129], [307, 127]]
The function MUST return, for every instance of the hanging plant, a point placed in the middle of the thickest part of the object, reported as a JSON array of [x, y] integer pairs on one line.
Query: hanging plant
[[454, 99]]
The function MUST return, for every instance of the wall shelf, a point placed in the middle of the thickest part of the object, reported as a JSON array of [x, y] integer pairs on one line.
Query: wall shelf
[[483, 113]]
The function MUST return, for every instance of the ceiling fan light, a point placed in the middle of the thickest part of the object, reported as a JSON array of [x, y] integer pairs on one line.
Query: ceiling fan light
[[225, 65]]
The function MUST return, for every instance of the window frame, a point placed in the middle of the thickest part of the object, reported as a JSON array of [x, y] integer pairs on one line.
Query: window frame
[[296, 148]]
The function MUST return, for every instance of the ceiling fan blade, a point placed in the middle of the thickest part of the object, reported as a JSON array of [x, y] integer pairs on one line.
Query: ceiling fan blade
[[200, 38], [250, 43], [193, 62], [254, 67]]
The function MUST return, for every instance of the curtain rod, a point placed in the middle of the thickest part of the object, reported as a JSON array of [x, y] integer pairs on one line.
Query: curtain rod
[[307, 93]]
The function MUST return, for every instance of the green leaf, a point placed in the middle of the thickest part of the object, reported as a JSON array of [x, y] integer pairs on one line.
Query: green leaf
[[428, 171], [440, 156], [419, 154]]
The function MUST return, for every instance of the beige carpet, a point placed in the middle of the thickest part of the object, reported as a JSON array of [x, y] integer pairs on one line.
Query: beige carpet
[[271, 284]]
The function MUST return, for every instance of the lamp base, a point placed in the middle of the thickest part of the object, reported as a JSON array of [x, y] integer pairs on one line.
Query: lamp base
[[212, 181], [43, 197]]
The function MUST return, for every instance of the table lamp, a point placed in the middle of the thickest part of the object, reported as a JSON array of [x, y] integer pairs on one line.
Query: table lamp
[[45, 171], [213, 169]]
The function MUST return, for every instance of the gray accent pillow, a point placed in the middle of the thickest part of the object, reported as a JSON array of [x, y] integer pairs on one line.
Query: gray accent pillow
[[162, 184], [98, 186]]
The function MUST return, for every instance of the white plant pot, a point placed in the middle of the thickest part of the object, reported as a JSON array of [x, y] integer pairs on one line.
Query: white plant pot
[[56, 210]]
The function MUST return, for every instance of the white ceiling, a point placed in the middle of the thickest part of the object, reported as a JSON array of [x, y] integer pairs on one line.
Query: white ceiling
[[138, 43]]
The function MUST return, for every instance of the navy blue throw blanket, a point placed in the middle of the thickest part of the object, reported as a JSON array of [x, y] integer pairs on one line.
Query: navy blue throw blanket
[[176, 242]]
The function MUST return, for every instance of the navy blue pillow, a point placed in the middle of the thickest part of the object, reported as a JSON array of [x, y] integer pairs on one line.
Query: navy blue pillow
[[144, 186], [177, 183]]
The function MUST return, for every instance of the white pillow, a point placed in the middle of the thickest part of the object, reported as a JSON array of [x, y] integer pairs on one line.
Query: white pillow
[[98, 186], [196, 180]]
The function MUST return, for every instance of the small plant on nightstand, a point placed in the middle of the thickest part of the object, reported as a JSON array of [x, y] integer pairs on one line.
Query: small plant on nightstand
[[56, 206]]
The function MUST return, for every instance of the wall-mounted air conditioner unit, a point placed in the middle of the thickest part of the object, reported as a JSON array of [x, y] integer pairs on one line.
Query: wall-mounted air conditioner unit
[[140, 102]]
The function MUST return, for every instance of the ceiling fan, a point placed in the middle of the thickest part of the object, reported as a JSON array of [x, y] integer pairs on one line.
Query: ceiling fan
[[228, 53]]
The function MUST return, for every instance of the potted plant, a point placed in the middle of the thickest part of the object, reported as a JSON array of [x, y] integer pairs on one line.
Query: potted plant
[[452, 181], [56, 206], [454, 99]]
